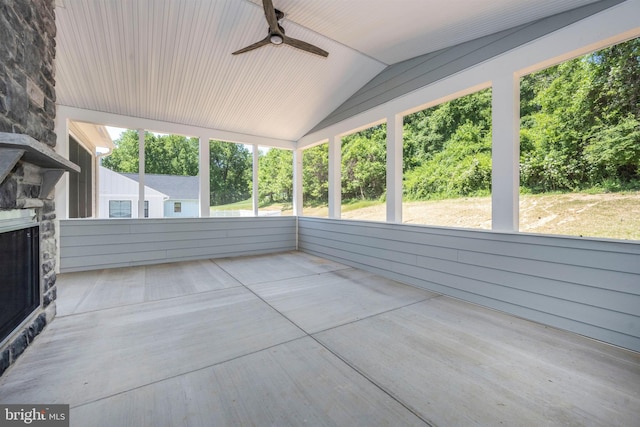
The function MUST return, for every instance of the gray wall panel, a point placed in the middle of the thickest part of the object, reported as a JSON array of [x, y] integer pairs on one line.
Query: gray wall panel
[[625, 282], [90, 244], [588, 286], [525, 246], [397, 241], [123, 238]]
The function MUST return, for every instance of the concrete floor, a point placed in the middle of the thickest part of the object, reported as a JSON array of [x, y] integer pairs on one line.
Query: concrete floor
[[291, 339]]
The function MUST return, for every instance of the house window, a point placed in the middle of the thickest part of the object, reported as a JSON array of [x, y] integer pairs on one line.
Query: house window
[[177, 207], [146, 209], [119, 208]]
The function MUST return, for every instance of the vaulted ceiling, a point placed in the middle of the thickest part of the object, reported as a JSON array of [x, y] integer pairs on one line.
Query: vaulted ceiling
[[170, 60]]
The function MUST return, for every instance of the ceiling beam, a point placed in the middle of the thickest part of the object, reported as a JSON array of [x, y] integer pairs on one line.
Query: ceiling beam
[[127, 122]]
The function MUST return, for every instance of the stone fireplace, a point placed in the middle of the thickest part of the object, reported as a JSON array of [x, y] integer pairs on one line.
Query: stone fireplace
[[29, 168], [29, 171]]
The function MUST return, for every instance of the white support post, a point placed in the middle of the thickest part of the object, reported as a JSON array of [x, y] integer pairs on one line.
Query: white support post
[[297, 182], [335, 177], [505, 153], [394, 168], [255, 170], [203, 175], [141, 173], [62, 187], [95, 192], [62, 148]]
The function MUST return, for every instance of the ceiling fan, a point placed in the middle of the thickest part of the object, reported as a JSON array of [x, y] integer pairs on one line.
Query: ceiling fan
[[276, 34]]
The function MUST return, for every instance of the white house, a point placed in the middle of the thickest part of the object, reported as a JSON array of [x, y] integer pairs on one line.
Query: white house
[[165, 195], [119, 197], [182, 192]]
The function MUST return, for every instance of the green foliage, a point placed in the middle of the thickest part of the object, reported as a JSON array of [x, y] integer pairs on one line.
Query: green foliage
[[426, 132], [171, 155], [230, 173], [582, 125], [452, 158], [364, 171], [462, 168], [163, 154], [315, 174], [613, 152], [615, 89], [124, 157], [275, 176]]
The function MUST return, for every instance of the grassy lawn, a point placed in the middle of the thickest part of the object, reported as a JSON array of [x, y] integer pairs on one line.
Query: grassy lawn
[[247, 205], [611, 215], [243, 205], [287, 209]]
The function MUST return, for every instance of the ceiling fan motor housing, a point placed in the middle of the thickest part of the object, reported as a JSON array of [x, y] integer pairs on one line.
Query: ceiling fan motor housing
[[276, 39]]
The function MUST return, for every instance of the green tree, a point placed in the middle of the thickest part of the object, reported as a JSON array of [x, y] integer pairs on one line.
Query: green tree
[[581, 124], [164, 154], [613, 153], [552, 157], [124, 157], [426, 132], [230, 173], [364, 165], [275, 173], [613, 144], [462, 168], [615, 88], [315, 174], [171, 155]]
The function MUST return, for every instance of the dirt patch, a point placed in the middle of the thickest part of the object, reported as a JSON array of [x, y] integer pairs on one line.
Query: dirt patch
[[612, 215]]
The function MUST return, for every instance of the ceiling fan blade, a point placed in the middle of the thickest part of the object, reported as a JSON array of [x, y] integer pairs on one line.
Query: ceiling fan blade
[[270, 14], [305, 46], [277, 36], [256, 45]]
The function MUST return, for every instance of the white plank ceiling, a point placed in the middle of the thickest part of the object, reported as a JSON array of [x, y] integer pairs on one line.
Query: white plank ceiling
[[170, 60]]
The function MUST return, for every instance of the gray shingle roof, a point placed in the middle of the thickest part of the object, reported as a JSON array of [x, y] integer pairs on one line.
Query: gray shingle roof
[[176, 187]]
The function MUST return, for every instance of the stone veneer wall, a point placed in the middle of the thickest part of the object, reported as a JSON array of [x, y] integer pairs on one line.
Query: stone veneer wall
[[27, 73], [27, 106]]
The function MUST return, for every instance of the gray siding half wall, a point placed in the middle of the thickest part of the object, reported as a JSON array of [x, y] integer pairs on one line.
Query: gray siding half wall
[[587, 286], [91, 244], [404, 77]]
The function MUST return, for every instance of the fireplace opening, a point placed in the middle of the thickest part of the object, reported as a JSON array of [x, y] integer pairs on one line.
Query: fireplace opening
[[20, 278]]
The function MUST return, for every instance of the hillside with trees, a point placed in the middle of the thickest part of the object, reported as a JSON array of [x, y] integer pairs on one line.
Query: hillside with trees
[[580, 130]]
